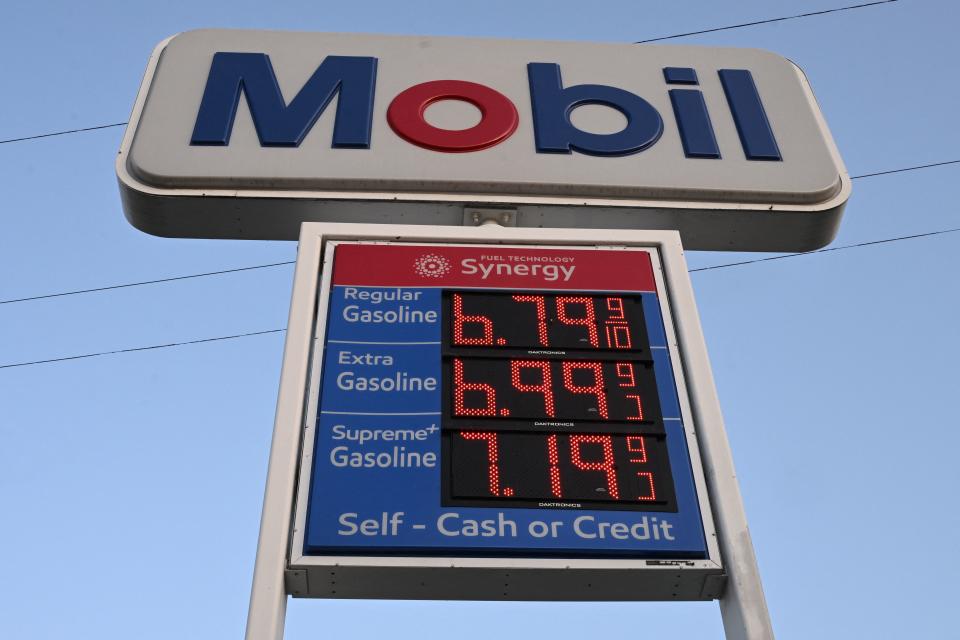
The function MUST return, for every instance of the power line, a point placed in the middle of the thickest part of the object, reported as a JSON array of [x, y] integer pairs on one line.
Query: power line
[[768, 21], [277, 264], [914, 168], [259, 333], [676, 35], [143, 282], [840, 248], [62, 133], [131, 350]]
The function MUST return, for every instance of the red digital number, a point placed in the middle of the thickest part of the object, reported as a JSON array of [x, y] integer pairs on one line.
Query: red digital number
[[616, 329], [460, 387], [596, 389], [647, 478], [606, 465], [493, 457], [638, 446], [541, 316], [625, 372], [587, 453], [459, 319], [589, 320], [546, 381], [618, 336], [554, 458], [615, 307]]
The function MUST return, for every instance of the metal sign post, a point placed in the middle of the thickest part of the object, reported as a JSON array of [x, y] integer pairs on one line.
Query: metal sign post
[[723, 568]]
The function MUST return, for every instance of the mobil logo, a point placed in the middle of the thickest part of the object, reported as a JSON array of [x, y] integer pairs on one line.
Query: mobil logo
[[286, 120]]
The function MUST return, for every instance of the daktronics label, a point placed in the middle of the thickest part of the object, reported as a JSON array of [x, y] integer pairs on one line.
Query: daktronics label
[[499, 409]]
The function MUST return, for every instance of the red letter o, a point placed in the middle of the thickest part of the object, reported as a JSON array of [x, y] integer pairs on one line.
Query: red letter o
[[498, 116]]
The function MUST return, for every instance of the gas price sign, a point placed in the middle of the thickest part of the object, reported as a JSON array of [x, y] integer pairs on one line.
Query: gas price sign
[[491, 400]]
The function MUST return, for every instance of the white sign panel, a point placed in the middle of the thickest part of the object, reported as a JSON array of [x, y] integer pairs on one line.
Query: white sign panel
[[248, 133]]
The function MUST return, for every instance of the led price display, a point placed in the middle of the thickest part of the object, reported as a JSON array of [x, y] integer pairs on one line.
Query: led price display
[[536, 320], [550, 400], [620, 471], [542, 389]]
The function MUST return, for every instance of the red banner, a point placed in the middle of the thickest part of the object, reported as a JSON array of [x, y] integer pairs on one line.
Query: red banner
[[409, 265]]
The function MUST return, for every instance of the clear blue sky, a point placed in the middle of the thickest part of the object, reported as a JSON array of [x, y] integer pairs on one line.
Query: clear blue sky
[[130, 485]]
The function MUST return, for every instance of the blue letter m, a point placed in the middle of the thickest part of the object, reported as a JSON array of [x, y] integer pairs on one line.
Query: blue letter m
[[280, 124]]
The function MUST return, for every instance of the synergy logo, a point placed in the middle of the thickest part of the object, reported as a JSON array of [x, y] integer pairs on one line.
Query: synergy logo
[[539, 267], [548, 268], [431, 265], [353, 80]]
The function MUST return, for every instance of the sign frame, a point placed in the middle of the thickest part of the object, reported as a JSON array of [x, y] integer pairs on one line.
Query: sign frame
[[281, 569], [590, 579], [706, 221]]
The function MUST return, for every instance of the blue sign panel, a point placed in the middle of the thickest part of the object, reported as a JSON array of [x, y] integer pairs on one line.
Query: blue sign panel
[[457, 419]]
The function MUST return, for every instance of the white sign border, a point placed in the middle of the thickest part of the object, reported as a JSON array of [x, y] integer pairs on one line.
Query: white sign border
[[298, 559], [277, 572]]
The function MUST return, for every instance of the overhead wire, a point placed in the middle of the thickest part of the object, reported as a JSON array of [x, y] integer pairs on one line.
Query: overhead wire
[[766, 21], [148, 348], [290, 262], [258, 333], [671, 37], [145, 282], [250, 268], [62, 133], [903, 169], [826, 250]]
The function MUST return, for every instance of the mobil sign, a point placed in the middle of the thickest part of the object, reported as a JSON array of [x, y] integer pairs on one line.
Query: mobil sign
[[246, 134]]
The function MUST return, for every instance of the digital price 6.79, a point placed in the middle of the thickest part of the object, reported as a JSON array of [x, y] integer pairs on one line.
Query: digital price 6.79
[[535, 320]]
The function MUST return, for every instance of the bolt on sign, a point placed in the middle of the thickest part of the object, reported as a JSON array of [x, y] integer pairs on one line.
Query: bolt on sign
[[247, 134]]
